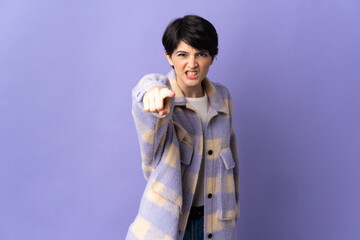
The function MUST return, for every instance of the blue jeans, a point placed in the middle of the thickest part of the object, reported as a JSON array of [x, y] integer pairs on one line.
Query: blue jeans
[[195, 229]]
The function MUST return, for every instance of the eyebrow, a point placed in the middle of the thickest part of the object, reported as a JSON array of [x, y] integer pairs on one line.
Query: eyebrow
[[201, 51], [180, 51]]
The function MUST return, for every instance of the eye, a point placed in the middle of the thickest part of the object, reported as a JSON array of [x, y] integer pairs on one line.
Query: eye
[[202, 54], [181, 55]]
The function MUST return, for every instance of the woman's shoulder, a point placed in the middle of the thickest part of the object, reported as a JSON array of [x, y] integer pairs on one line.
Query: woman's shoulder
[[155, 77], [222, 89]]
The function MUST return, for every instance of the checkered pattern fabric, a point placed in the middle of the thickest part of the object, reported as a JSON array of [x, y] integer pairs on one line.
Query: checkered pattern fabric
[[172, 149]]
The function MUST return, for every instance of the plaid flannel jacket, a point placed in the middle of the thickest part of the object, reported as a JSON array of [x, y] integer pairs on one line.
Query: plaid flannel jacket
[[172, 149]]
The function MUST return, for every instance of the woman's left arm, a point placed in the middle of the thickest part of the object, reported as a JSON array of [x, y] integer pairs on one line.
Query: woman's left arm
[[234, 151]]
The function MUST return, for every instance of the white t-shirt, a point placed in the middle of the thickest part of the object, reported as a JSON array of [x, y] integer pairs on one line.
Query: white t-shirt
[[201, 106]]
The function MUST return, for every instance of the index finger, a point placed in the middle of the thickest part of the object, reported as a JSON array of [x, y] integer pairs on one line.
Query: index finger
[[165, 92]]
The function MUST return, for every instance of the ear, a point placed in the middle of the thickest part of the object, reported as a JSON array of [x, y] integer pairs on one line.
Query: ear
[[212, 60], [169, 59]]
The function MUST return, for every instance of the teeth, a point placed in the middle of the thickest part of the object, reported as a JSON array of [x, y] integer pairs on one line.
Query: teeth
[[191, 73]]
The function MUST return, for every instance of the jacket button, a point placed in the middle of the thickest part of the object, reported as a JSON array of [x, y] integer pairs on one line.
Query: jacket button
[[210, 152], [209, 195], [209, 235]]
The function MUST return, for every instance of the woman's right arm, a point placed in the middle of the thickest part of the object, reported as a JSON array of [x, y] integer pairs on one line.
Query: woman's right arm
[[151, 108]]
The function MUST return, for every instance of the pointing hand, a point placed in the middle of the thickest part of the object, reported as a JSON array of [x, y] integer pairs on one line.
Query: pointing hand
[[156, 99]]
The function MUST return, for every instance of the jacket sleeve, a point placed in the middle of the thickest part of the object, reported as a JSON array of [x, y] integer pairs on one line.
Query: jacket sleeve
[[234, 151], [151, 127]]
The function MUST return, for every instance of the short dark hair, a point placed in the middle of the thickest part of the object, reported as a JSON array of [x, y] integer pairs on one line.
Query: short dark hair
[[194, 31]]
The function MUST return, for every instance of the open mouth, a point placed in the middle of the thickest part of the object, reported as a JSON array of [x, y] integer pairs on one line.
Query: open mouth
[[192, 74]]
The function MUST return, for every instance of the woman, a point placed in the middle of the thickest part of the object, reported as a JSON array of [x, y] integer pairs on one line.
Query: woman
[[187, 142]]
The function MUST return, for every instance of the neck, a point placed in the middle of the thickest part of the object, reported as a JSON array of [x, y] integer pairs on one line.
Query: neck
[[192, 92]]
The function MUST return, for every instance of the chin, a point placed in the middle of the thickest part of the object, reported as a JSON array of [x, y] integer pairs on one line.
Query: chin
[[192, 82]]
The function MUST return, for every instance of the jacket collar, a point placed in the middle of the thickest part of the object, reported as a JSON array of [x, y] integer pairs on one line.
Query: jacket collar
[[215, 99]]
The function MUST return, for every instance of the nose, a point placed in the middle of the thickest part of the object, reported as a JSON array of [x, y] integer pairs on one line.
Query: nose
[[192, 62]]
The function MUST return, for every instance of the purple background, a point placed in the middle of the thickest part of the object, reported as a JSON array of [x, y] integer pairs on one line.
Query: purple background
[[70, 165]]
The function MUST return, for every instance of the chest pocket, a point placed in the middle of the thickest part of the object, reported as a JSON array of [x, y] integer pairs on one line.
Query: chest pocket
[[185, 144], [226, 184]]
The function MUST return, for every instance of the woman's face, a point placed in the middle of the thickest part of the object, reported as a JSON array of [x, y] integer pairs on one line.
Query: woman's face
[[191, 67]]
